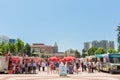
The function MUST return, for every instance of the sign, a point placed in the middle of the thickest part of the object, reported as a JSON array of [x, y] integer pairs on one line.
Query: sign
[[62, 70]]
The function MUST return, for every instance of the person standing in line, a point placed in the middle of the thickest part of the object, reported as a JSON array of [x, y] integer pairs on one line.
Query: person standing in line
[[98, 66], [48, 67], [34, 67], [89, 67], [14, 68], [26, 68], [52, 67], [39, 65], [92, 66], [77, 67], [29, 67], [82, 65], [43, 65], [71, 68], [23, 67], [57, 67]]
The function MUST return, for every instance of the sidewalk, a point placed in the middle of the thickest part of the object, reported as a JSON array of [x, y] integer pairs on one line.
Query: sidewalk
[[45, 76]]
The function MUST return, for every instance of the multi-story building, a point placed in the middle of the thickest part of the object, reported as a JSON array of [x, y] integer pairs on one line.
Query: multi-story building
[[104, 44], [99, 44], [42, 48], [4, 39], [111, 44], [39, 47], [12, 40], [95, 43], [87, 45]]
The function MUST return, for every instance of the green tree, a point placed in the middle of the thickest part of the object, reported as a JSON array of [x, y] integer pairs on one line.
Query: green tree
[[84, 55], [42, 56], [77, 54], [46, 54], [111, 50], [91, 51], [83, 50], [118, 37], [3, 49], [19, 46], [27, 49], [12, 48], [100, 51]]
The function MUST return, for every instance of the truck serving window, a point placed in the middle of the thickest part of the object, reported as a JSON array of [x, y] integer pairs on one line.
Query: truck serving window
[[115, 60]]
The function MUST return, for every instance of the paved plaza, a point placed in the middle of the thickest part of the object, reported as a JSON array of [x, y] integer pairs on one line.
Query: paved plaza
[[45, 76]]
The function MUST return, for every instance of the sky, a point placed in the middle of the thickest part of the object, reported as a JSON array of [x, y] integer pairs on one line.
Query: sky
[[70, 23]]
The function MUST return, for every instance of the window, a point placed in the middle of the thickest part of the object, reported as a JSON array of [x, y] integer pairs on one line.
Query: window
[[115, 60]]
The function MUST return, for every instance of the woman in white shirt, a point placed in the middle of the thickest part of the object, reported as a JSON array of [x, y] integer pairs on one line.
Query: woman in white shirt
[[43, 65]]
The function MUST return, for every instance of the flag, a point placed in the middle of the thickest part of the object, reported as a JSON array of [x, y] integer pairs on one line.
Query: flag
[[7, 55]]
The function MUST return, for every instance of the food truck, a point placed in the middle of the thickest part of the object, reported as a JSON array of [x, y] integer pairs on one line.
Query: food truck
[[109, 62], [7, 64]]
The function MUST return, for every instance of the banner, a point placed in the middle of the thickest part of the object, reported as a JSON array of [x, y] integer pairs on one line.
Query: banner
[[62, 70]]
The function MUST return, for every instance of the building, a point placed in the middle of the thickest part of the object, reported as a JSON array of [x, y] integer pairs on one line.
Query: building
[[104, 44], [87, 45], [111, 44], [4, 39], [46, 50], [40, 47], [99, 44], [95, 44], [12, 40], [55, 48]]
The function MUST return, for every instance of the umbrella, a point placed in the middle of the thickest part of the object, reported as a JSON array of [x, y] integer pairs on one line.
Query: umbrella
[[69, 58], [53, 59]]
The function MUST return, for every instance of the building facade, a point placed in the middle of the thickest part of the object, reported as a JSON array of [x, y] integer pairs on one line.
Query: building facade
[[87, 45], [4, 39], [111, 44], [38, 47], [12, 40], [55, 48], [42, 48], [99, 44]]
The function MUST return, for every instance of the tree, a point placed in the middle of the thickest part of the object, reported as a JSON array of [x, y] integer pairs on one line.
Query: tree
[[91, 51], [27, 49], [19, 46], [83, 50], [118, 37], [100, 51], [83, 55], [12, 48], [4, 48], [111, 50], [42, 56], [77, 54]]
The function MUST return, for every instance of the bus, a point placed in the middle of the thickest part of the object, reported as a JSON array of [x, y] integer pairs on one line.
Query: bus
[[109, 62]]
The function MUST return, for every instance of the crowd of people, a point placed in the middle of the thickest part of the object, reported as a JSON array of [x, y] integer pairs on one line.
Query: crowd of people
[[75, 66]]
